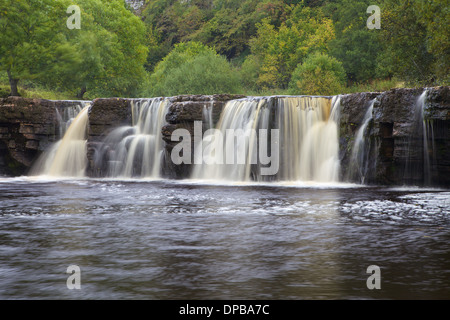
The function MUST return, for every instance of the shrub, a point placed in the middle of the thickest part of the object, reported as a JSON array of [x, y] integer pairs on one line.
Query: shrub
[[194, 69], [250, 72], [319, 74]]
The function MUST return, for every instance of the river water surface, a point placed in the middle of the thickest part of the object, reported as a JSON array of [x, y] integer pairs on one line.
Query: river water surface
[[168, 239]]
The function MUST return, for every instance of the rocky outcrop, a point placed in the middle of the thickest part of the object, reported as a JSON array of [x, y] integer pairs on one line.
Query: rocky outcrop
[[105, 115], [27, 127], [400, 148], [404, 148], [353, 109]]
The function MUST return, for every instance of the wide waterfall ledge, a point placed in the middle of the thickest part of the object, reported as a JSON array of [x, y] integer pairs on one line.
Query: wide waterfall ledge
[[398, 137]]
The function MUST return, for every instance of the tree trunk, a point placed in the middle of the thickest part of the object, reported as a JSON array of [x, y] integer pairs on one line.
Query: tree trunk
[[13, 84], [81, 93]]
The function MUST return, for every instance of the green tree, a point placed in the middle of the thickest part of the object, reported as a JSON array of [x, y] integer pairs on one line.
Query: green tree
[[156, 51], [355, 45], [278, 51], [175, 21], [112, 50], [181, 53], [250, 72], [32, 39], [435, 15], [193, 68], [415, 38], [234, 23], [226, 25], [105, 56], [319, 74]]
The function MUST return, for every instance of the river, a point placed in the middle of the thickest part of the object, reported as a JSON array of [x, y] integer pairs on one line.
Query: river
[[183, 239]]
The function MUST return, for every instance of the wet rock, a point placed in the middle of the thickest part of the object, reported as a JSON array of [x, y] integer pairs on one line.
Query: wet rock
[[399, 154], [106, 114], [437, 103], [27, 127]]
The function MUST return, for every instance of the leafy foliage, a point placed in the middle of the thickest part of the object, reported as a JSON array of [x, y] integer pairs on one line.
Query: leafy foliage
[[111, 49], [261, 45], [416, 40], [31, 40], [355, 45], [279, 51], [193, 68], [105, 56], [319, 74]]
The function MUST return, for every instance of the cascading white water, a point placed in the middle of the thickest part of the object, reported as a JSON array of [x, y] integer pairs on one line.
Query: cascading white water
[[306, 148], [359, 160], [242, 115], [207, 114], [418, 164], [67, 114], [309, 136], [136, 151], [67, 157], [420, 109]]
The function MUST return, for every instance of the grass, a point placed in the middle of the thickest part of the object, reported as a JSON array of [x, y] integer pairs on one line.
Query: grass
[[29, 90], [36, 93], [266, 93], [377, 85], [40, 93]]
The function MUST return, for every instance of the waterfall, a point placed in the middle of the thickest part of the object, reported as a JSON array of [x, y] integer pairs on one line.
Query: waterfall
[[136, 150], [359, 160], [309, 139], [241, 116], [418, 164], [420, 109], [300, 133], [67, 115], [67, 157], [207, 114]]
